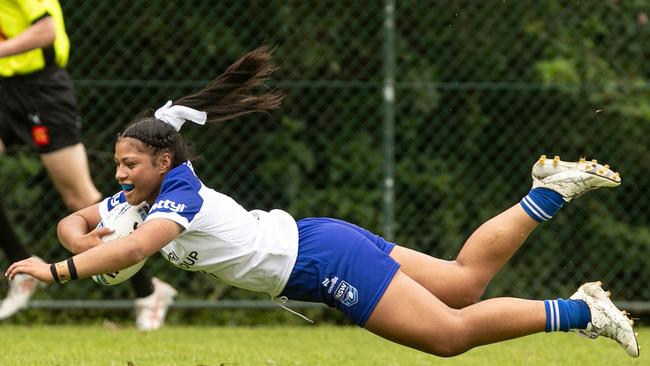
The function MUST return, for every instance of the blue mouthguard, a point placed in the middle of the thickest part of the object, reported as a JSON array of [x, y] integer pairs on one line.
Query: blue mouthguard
[[127, 187]]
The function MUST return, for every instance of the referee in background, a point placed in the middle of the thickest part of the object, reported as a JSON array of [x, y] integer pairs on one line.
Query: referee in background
[[38, 108]]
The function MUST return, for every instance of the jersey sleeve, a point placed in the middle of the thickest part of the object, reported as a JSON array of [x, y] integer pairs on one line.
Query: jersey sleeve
[[179, 201], [34, 9]]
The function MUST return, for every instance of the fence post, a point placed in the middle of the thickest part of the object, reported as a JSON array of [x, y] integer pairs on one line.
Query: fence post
[[389, 121]]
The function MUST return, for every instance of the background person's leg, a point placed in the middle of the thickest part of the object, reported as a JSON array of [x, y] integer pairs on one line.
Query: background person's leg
[[9, 242], [23, 287], [151, 309], [69, 171]]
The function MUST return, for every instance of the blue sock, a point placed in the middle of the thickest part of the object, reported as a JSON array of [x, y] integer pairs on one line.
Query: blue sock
[[562, 315], [542, 203]]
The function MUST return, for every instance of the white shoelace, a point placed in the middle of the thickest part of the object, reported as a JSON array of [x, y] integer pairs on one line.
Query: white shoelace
[[282, 300]]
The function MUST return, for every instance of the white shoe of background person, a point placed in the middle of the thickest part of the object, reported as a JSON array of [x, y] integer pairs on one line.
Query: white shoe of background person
[[606, 319], [21, 289], [150, 311], [572, 179]]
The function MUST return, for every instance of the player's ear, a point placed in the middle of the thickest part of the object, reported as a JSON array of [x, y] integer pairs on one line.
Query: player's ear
[[165, 162]]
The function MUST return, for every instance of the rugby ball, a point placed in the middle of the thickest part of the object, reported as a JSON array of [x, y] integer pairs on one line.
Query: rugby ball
[[123, 220]]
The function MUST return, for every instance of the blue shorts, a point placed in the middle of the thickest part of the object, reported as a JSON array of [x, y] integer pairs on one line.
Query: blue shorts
[[341, 265]]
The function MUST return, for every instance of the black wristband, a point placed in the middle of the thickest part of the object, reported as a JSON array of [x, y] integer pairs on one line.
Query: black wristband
[[54, 274], [72, 269]]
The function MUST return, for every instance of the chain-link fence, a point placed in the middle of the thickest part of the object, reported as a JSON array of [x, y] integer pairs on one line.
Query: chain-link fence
[[416, 119]]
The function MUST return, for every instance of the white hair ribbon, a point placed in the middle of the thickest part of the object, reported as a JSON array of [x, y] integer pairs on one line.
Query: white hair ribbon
[[177, 115]]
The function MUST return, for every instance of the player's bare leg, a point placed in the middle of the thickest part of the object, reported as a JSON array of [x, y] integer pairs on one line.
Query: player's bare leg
[[411, 315], [462, 281]]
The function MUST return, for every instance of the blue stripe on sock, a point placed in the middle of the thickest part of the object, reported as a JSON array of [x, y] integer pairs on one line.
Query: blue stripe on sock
[[562, 315], [531, 211], [542, 204], [549, 316]]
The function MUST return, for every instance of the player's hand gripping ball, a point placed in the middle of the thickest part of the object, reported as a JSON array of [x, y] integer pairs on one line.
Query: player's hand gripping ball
[[123, 220]]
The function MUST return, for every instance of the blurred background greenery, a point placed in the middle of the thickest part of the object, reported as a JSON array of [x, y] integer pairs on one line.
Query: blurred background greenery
[[481, 89]]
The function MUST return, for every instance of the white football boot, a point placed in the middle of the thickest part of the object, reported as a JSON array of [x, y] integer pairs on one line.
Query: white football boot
[[572, 179], [21, 289], [150, 311], [606, 319]]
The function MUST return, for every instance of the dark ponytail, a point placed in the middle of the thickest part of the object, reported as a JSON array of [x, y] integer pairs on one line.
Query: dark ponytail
[[234, 93], [240, 90]]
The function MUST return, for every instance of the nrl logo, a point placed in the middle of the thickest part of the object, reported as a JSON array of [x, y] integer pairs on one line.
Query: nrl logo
[[346, 294]]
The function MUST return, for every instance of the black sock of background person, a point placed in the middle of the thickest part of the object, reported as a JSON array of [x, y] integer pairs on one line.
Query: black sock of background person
[[9, 241], [142, 284]]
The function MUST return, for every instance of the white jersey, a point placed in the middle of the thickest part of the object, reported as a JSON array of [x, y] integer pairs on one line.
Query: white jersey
[[253, 250]]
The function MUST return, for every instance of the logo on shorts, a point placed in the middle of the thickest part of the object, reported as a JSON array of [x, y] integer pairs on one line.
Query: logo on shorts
[[40, 136], [331, 284], [346, 294]]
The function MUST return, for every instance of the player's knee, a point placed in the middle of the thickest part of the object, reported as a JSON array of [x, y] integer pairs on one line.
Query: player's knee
[[471, 289], [453, 337], [449, 346], [448, 351], [474, 295]]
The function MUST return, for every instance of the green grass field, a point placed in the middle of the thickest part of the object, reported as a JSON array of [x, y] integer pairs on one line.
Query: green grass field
[[303, 345]]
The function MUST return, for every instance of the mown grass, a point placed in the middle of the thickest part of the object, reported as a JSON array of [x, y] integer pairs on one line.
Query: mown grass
[[295, 345]]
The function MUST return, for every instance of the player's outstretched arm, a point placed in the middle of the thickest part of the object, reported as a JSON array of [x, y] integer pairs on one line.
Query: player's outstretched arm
[[32, 266], [114, 255], [77, 232]]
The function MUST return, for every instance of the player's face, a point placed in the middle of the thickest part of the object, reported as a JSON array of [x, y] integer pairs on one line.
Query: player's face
[[139, 174]]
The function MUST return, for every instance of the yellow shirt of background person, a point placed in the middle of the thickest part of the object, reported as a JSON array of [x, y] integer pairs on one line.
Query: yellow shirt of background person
[[18, 15]]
